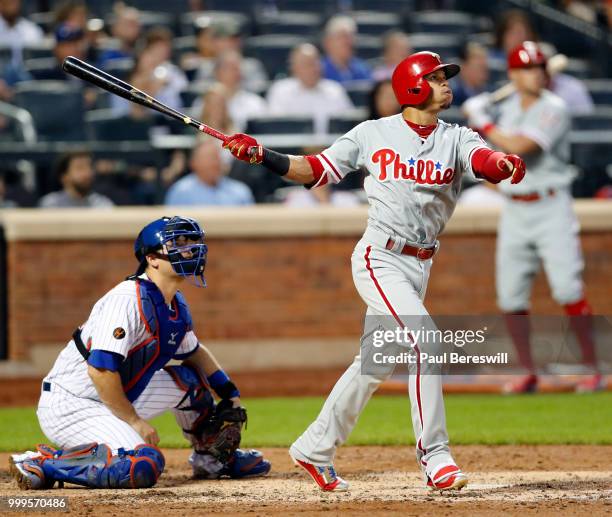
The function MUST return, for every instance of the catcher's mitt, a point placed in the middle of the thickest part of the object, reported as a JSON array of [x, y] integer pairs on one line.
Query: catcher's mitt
[[220, 434]]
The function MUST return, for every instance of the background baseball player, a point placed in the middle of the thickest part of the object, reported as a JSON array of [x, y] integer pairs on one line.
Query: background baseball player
[[538, 221], [415, 163], [112, 377]]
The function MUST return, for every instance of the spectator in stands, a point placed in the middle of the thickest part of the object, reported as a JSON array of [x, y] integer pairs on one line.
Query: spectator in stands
[[305, 92], [339, 63], [15, 31], [153, 67], [76, 174], [214, 38], [215, 109], [207, 183], [571, 89], [69, 41], [382, 101], [126, 29], [73, 13], [241, 103], [396, 47], [512, 28], [474, 76]]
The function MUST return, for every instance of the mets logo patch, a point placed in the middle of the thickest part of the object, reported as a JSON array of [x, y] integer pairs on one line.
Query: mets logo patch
[[119, 333]]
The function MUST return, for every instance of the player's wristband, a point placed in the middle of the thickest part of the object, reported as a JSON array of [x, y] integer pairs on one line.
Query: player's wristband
[[276, 162], [223, 386]]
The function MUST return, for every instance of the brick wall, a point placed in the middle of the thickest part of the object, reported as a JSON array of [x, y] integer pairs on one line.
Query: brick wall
[[271, 287]]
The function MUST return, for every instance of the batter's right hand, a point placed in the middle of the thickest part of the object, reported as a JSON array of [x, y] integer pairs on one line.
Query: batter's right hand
[[146, 431], [244, 147]]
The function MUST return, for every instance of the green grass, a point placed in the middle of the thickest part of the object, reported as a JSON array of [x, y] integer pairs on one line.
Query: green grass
[[480, 419]]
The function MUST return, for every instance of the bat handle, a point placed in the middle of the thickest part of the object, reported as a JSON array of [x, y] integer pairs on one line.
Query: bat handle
[[213, 132]]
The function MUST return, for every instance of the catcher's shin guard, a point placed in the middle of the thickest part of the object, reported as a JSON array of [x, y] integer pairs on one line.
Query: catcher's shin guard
[[93, 465], [242, 464]]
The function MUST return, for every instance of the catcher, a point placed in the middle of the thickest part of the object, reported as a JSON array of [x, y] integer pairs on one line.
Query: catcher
[[113, 377]]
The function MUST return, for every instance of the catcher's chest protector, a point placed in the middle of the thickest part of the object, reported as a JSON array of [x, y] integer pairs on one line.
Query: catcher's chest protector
[[167, 327]]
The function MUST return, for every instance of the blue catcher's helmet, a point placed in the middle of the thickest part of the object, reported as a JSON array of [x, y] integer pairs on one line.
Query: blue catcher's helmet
[[182, 239]]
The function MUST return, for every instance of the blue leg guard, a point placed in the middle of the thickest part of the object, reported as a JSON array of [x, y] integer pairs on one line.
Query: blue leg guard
[[246, 463], [94, 466]]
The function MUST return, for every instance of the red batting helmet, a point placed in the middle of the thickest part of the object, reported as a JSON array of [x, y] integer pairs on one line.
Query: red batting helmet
[[408, 83], [526, 55]]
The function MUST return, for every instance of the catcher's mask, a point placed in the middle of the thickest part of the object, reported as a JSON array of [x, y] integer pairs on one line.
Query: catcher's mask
[[180, 241]]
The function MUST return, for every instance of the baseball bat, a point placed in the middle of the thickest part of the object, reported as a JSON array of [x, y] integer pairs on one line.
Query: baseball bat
[[116, 86], [554, 65]]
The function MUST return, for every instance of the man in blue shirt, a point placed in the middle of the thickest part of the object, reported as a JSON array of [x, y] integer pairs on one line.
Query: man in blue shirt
[[339, 63], [207, 183]]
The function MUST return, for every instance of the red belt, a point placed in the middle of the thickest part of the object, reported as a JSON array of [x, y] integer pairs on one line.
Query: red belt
[[414, 251], [534, 196]]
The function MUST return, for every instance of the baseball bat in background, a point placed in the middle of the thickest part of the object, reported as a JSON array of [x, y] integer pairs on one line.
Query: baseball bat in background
[[116, 86], [554, 65]]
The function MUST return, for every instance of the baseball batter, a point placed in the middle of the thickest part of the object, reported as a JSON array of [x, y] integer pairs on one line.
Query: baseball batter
[[414, 164], [113, 377], [538, 222]]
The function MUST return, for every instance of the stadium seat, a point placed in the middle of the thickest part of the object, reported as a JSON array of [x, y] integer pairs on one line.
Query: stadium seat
[[237, 6], [148, 19], [174, 6], [272, 50], [120, 68], [187, 20], [290, 22], [443, 44], [453, 116], [601, 119], [45, 20], [104, 126], [448, 22], [368, 46], [402, 7], [376, 22], [600, 90], [340, 124], [578, 68], [56, 106], [359, 92], [280, 125], [44, 49], [44, 68]]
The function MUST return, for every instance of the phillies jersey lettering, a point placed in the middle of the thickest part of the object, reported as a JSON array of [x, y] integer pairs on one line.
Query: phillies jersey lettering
[[412, 185], [425, 172]]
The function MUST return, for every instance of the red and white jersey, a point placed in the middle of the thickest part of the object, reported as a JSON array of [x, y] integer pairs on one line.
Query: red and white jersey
[[412, 183], [548, 123]]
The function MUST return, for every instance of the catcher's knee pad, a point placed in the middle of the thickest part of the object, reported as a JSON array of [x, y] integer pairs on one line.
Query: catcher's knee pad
[[139, 468], [93, 465], [197, 394]]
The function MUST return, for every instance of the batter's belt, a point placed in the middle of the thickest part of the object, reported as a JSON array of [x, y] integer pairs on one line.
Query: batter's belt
[[399, 245]]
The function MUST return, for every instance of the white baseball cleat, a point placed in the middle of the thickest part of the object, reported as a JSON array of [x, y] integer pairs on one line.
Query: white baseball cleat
[[27, 471], [449, 477], [324, 476]]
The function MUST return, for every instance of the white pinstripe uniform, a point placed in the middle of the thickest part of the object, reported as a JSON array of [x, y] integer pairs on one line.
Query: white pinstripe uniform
[[71, 413], [412, 186]]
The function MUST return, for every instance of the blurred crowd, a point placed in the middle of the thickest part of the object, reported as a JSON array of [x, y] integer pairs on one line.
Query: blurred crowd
[[211, 79]]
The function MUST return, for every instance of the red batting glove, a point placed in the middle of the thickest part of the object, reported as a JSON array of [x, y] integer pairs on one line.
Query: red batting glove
[[244, 147], [514, 166]]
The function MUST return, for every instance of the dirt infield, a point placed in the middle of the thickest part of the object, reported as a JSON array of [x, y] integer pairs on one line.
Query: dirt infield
[[504, 480]]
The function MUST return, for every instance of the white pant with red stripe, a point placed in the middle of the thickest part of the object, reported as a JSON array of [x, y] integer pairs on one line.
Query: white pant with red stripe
[[392, 285]]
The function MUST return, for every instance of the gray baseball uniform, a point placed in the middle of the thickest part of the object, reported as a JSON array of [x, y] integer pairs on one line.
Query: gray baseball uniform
[[412, 188], [545, 228]]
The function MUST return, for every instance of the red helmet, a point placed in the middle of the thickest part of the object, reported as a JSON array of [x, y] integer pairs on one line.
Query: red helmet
[[408, 83], [526, 55]]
